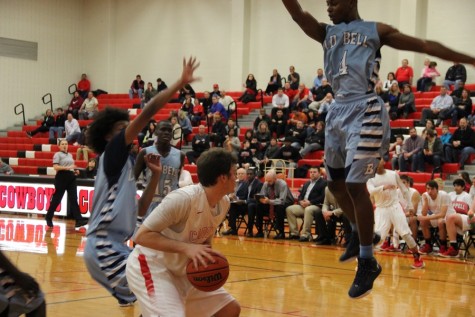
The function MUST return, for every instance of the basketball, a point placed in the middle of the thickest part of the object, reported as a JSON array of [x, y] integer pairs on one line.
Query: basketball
[[208, 279]]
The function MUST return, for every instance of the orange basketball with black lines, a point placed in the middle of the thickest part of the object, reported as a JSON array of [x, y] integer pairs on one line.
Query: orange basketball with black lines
[[210, 278]]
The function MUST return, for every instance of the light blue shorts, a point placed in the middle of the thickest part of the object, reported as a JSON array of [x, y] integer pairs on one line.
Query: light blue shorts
[[356, 137]]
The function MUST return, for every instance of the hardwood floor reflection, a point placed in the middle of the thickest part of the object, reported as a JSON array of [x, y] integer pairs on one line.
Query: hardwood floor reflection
[[285, 278]]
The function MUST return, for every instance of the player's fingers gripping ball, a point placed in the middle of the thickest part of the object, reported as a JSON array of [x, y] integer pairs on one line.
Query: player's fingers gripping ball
[[210, 278]]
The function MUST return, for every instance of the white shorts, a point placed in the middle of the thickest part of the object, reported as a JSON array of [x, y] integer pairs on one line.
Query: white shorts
[[394, 215], [161, 293], [465, 224]]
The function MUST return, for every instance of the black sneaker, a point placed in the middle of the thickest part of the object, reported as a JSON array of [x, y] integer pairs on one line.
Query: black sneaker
[[368, 271], [230, 232], [352, 249], [81, 222]]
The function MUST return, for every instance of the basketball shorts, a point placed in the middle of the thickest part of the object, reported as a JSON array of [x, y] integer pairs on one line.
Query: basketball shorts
[[394, 215], [162, 293], [465, 225], [356, 137]]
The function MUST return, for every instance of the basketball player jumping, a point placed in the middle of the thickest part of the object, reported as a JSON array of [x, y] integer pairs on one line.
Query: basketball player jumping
[[114, 211], [179, 229], [357, 130]]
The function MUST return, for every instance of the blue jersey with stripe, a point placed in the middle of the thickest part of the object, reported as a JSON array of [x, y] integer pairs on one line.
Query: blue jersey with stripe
[[352, 57]]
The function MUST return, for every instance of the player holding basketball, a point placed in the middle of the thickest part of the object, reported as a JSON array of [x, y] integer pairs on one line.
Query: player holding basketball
[[114, 211], [383, 189], [179, 229], [357, 130]]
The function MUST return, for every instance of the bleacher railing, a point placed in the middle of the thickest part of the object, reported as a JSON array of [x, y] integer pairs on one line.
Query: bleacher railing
[[72, 88], [21, 111], [47, 100], [235, 111], [261, 93]]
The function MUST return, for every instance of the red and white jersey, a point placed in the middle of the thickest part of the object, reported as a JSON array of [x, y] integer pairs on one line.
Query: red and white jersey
[[460, 203], [183, 215]]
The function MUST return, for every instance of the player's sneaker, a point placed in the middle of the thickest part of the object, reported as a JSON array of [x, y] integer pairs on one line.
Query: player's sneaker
[[123, 303], [425, 249], [384, 246], [442, 249], [391, 248], [451, 252], [418, 263], [368, 270]]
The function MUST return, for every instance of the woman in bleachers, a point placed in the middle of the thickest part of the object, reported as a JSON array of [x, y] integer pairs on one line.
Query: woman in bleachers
[[462, 107], [314, 141], [75, 105], [146, 138], [48, 121], [407, 101], [176, 128], [263, 136], [248, 135], [250, 91], [275, 82], [185, 124], [188, 105], [232, 143], [245, 156], [391, 79], [392, 104]]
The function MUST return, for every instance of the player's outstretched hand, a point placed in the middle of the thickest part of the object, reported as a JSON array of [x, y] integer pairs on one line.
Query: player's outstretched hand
[[27, 283], [188, 69]]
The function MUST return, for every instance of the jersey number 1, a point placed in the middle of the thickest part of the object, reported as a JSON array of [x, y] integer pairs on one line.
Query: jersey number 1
[[343, 67]]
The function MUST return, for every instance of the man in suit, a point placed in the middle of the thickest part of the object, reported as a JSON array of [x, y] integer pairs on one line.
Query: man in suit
[[309, 203], [326, 218], [253, 188], [276, 198], [238, 202]]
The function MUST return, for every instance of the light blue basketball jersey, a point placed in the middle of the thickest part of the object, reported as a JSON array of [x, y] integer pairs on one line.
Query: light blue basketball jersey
[[352, 57]]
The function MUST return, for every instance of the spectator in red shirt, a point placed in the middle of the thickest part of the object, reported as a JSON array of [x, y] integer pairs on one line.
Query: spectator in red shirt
[[404, 74], [84, 86], [291, 93], [75, 105]]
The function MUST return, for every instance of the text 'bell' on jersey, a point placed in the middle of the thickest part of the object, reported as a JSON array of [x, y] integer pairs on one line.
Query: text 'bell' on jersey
[[352, 57]]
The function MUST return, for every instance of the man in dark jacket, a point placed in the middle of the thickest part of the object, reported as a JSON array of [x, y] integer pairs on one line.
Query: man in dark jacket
[[455, 75], [254, 187], [462, 143], [309, 202], [238, 202], [199, 144], [432, 152]]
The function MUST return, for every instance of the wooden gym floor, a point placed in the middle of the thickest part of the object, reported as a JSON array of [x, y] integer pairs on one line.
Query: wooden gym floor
[[269, 279]]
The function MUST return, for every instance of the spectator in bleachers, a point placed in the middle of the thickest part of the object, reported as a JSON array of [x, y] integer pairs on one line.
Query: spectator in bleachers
[[248, 135], [462, 107], [137, 87], [445, 137], [58, 126], [392, 105], [147, 136], [48, 121], [396, 150], [199, 144], [327, 102], [89, 107], [280, 101], [407, 101], [293, 78], [6, 169], [254, 187], [278, 123], [302, 99], [295, 116], [404, 74], [176, 131], [381, 93], [198, 113], [436, 206], [263, 136], [148, 94], [185, 124], [75, 104], [231, 125], [460, 197], [430, 72], [185, 178], [206, 101], [218, 130], [277, 197], [188, 105], [457, 93], [455, 75], [466, 178], [314, 141], [390, 80], [82, 153], [238, 202], [439, 108], [245, 155], [326, 219], [269, 153], [412, 207], [317, 81], [298, 134], [72, 129], [161, 85], [232, 143], [216, 90], [91, 169], [323, 90], [290, 154], [461, 144], [275, 82], [309, 202], [228, 102], [312, 120], [217, 107], [289, 92], [250, 90], [262, 117], [84, 86], [185, 90], [412, 145], [432, 152]]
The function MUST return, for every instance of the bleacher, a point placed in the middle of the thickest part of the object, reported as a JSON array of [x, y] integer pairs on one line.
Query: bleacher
[[34, 156]]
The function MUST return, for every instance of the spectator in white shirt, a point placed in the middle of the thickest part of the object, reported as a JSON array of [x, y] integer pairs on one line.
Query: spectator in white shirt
[[280, 101], [73, 131], [439, 108], [89, 107]]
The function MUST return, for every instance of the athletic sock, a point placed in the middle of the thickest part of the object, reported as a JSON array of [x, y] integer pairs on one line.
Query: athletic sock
[[443, 243], [453, 244], [428, 242], [366, 251]]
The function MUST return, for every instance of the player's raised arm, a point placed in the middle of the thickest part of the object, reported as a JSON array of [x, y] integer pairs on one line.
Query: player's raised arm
[[305, 20], [161, 99], [390, 36]]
